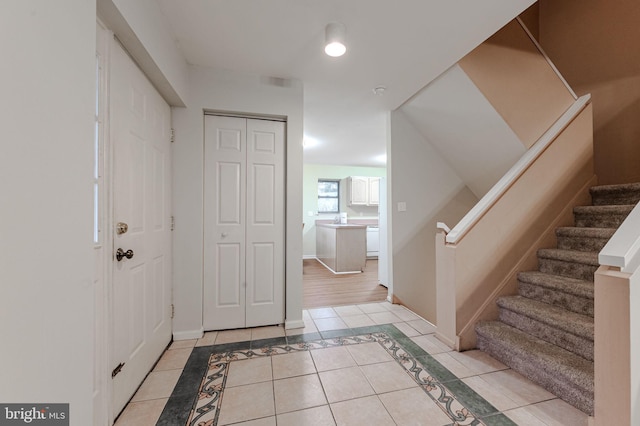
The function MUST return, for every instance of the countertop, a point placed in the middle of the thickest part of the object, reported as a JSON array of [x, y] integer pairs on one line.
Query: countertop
[[341, 225]]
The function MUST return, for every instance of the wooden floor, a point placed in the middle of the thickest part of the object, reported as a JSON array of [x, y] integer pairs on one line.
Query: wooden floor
[[324, 288]]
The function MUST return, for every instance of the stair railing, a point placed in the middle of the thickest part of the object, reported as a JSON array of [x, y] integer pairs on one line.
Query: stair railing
[[477, 261], [503, 185], [617, 326]]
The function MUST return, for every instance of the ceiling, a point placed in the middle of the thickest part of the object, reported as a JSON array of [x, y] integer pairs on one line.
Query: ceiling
[[397, 44]]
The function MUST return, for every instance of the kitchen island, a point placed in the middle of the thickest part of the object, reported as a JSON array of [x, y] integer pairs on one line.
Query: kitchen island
[[342, 248]]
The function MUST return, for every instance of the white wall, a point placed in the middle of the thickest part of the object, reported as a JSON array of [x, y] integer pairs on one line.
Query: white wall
[[46, 264], [313, 172], [233, 92], [480, 151], [432, 191]]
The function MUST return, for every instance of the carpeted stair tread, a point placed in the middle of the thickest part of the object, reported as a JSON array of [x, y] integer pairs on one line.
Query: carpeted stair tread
[[553, 316], [602, 216], [573, 286], [559, 371], [583, 239], [546, 333], [628, 193], [604, 210], [568, 263], [584, 257]]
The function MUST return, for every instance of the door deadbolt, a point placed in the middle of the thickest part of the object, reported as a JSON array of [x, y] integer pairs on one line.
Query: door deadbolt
[[121, 228], [121, 253]]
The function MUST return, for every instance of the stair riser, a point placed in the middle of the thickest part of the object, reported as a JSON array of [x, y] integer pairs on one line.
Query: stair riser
[[579, 305], [550, 380], [599, 221], [616, 199], [574, 344], [581, 243], [567, 269]]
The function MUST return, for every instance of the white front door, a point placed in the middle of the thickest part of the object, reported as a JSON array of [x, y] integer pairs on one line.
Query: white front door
[[141, 304], [244, 223]]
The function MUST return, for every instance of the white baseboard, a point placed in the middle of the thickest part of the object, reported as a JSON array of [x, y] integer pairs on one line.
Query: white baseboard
[[288, 325], [308, 256], [188, 335]]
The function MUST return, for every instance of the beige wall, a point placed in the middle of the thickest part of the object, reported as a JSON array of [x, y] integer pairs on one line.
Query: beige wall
[[594, 44], [531, 19], [517, 80]]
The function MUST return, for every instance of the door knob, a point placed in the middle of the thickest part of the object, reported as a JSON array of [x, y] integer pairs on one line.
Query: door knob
[[121, 228], [224, 235], [121, 253]]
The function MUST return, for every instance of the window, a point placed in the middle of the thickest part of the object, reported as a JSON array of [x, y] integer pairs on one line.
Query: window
[[328, 196], [98, 154]]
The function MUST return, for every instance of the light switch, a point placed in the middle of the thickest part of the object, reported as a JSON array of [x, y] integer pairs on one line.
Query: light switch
[[402, 206], [310, 214]]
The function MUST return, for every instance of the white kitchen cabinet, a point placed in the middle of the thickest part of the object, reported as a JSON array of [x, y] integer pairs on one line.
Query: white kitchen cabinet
[[363, 191], [358, 190], [374, 191]]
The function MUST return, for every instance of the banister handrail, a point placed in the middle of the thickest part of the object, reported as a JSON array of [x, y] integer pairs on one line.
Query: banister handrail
[[546, 57], [529, 157], [623, 249]]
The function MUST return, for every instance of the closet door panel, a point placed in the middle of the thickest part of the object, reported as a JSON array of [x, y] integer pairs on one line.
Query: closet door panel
[[224, 294]]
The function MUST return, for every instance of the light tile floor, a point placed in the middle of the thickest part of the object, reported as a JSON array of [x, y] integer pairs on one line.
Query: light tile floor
[[345, 384]]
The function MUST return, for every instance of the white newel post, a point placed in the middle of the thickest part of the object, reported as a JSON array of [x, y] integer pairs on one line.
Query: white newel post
[[445, 290]]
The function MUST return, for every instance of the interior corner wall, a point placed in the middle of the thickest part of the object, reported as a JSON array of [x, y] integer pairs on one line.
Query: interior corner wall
[[46, 232], [313, 172], [594, 44], [143, 31], [517, 80], [432, 192], [225, 91]]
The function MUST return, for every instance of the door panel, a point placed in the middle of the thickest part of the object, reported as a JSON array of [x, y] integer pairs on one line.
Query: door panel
[[265, 222], [224, 224], [263, 271], [141, 305], [229, 278]]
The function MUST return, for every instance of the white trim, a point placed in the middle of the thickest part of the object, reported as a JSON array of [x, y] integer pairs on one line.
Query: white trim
[[498, 190], [623, 249], [543, 53], [104, 248], [338, 273], [188, 335], [443, 226], [288, 325]]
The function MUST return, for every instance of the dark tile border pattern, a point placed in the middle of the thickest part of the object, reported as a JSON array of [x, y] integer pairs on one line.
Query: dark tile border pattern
[[204, 375]]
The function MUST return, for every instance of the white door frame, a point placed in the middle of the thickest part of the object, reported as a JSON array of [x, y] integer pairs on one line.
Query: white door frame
[[103, 412]]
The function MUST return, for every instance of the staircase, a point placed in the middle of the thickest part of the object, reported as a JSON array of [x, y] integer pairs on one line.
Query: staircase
[[546, 331]]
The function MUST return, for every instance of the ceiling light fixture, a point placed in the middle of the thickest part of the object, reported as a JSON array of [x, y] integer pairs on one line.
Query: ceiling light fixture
[[334, 38]]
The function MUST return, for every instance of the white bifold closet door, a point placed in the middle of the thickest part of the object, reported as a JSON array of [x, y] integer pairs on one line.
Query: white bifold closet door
[[244, 189]]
